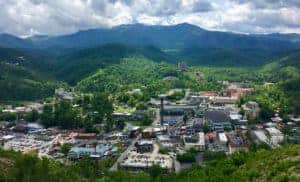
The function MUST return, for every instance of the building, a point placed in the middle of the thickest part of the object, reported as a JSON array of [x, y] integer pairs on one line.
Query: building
[[208, 93], [178, 109], [148, 133], [136, 162], [275, 136], [172, 120], [199, 99], [85, 136], [218, 100], [196, 141], [97, 152], [217, 120], [61, 93], [122, 116], [144, 146], [251, 109], [222, 138], [259, 136], [237, 142]]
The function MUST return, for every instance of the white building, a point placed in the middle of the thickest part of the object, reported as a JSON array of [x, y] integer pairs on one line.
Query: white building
[[136, 161], [275, 136], [195, 142], [259, 136], [222, 138]]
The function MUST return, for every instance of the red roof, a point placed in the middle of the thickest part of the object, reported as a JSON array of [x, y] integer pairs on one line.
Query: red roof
[[210, 136]]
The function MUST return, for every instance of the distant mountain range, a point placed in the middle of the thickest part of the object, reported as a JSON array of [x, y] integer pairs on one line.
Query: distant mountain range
[[182, 42], [35, 64], [164, 37]]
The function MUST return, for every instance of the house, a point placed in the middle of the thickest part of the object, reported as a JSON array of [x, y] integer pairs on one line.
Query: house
[[217, 120]]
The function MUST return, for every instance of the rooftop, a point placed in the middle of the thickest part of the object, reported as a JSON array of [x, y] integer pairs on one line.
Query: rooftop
[[216, 116]]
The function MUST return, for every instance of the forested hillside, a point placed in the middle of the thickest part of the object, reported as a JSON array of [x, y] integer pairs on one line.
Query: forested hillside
[[281, 164], [20, 83], [76, 65], [140, 72], [184, 42]]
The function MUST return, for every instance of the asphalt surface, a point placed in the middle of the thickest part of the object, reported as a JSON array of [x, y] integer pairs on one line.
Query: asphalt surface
[[130, 147]]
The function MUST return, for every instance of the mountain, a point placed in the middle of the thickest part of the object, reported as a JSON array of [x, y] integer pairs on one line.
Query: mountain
[[185, 42], [35, 59], [182, 42], [20, 83], [10, 41], [77, 64], [165, 37]]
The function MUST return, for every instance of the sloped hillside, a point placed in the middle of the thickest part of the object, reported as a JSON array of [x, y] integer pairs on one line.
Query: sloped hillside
[[79, 64], [20, 83], [281, 164]]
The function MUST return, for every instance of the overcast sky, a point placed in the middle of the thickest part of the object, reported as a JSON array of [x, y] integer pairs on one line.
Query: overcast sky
[[54, 17]]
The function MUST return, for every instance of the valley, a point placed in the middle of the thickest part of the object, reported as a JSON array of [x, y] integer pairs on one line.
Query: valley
[[150, 103]]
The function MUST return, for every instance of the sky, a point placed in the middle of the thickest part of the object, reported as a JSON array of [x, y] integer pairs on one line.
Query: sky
[[57, 17]]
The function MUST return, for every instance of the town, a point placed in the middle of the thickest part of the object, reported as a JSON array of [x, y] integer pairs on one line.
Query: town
[[191, 129]]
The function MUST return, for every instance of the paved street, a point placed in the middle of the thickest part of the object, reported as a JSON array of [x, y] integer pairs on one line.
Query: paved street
[[130, 147]]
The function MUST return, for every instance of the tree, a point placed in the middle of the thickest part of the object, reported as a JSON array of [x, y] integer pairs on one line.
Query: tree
[[103, 106], [146, 120], [155, 170], [120, 124], [185, 118], [266, 113], [65, 148], [47, 117], [33, 116], [66, 116], [206, 128], [242, 111]]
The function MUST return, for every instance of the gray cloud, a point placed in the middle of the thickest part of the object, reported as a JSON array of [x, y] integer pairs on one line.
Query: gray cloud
[[29, 17]]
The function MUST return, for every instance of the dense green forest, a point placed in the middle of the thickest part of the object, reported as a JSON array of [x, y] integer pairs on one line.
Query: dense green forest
[[140, 72], [117, 68], [281, 164], [20, 83]]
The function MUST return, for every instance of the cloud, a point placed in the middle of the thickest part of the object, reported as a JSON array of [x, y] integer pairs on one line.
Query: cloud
[[54, 17]]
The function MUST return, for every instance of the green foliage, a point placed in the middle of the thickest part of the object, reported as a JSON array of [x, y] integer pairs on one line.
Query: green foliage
[[256, 165], [209, 155], [94, 110], [20, 83], [65, 148], [32, 116], [154, 171], [8, 116], [189, 156], [176, 95]]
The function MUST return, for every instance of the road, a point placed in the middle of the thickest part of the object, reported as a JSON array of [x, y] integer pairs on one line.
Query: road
[[124, 154], [130, 147]]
